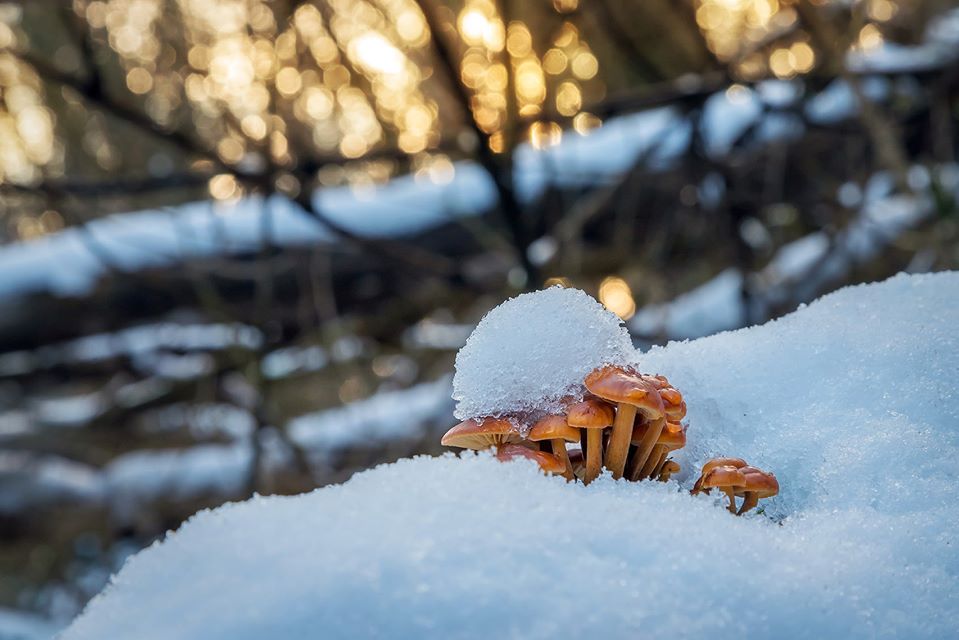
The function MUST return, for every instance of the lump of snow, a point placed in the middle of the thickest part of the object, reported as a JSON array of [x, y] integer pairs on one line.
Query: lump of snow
[[852, 402], [532, 350]]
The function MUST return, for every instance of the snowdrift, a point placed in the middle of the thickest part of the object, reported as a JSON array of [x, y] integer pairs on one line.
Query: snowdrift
[[852, 401]]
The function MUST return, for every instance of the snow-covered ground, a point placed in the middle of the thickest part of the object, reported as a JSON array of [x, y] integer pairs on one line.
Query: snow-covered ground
[[852, 401]]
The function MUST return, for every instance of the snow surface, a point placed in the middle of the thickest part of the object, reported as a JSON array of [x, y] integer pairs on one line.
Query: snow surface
[[534, 349], [852, 401]]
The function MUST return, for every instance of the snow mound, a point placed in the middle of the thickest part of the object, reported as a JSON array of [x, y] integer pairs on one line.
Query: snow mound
[[852, 401], [533, 349]]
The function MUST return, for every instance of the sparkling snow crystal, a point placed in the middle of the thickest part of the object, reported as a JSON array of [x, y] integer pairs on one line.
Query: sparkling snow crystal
[[853, 402], [533, 349]]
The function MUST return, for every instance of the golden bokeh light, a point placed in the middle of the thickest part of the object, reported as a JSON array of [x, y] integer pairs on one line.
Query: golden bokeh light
[[730, 26], [616, 296], [341, 77], [585, 122], [869, 37], [139, 80], [223, 187], [545, 134], [557, 281]]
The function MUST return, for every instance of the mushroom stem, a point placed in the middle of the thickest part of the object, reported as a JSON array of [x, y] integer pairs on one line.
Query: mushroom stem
[[658, 469], [649, 441], [634, 467], [559, 450], [751, 500], [656, 455], [594, 454], [732, 499], [619, 439]]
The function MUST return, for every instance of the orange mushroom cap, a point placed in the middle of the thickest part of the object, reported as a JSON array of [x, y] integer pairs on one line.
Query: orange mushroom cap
[[482, 433], [715, 463], [590, 414], [552, 428], [737, 463], [673, 403], [624, 385], [546, 461], [763, 483], [669, 469], [723, 477]]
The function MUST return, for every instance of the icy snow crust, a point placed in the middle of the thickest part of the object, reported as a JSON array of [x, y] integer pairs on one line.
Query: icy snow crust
[[532, 350], [852, 401]]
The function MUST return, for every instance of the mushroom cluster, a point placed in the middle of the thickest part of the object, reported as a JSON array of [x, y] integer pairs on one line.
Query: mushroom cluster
[[628, 422], [735, 478]]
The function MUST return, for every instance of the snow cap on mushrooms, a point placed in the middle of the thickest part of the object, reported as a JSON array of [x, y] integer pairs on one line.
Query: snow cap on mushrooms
[[530, 352]]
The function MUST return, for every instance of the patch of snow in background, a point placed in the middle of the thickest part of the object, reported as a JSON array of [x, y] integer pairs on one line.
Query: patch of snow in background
[[18, 625], [837, 101], [938, 46], [716, 305], [384, 417], [798, 271], [139, 477], [603, 154], [70, 262], [852, 402], [31, 481], [530, 351], [726, 116]]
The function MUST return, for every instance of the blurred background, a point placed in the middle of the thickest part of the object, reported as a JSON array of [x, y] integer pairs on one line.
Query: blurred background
[[241, 241]]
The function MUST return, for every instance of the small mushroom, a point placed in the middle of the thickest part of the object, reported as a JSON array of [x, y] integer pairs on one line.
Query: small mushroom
[[759, 484], [547, 462], [736, 463], [728, 479], [632, 394], [672, 438], [482, 433], [558, 432], [593, 416], [669, 468], [673, 403]]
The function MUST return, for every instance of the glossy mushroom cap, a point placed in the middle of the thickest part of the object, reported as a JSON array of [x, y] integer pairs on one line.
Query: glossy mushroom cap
[[590, 414], [669, 469], [724, 477], [737, 463], [673, 435], [763, 483], [482, 433], [553, 428], [623, 385], [673, 403], [546, 461]]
